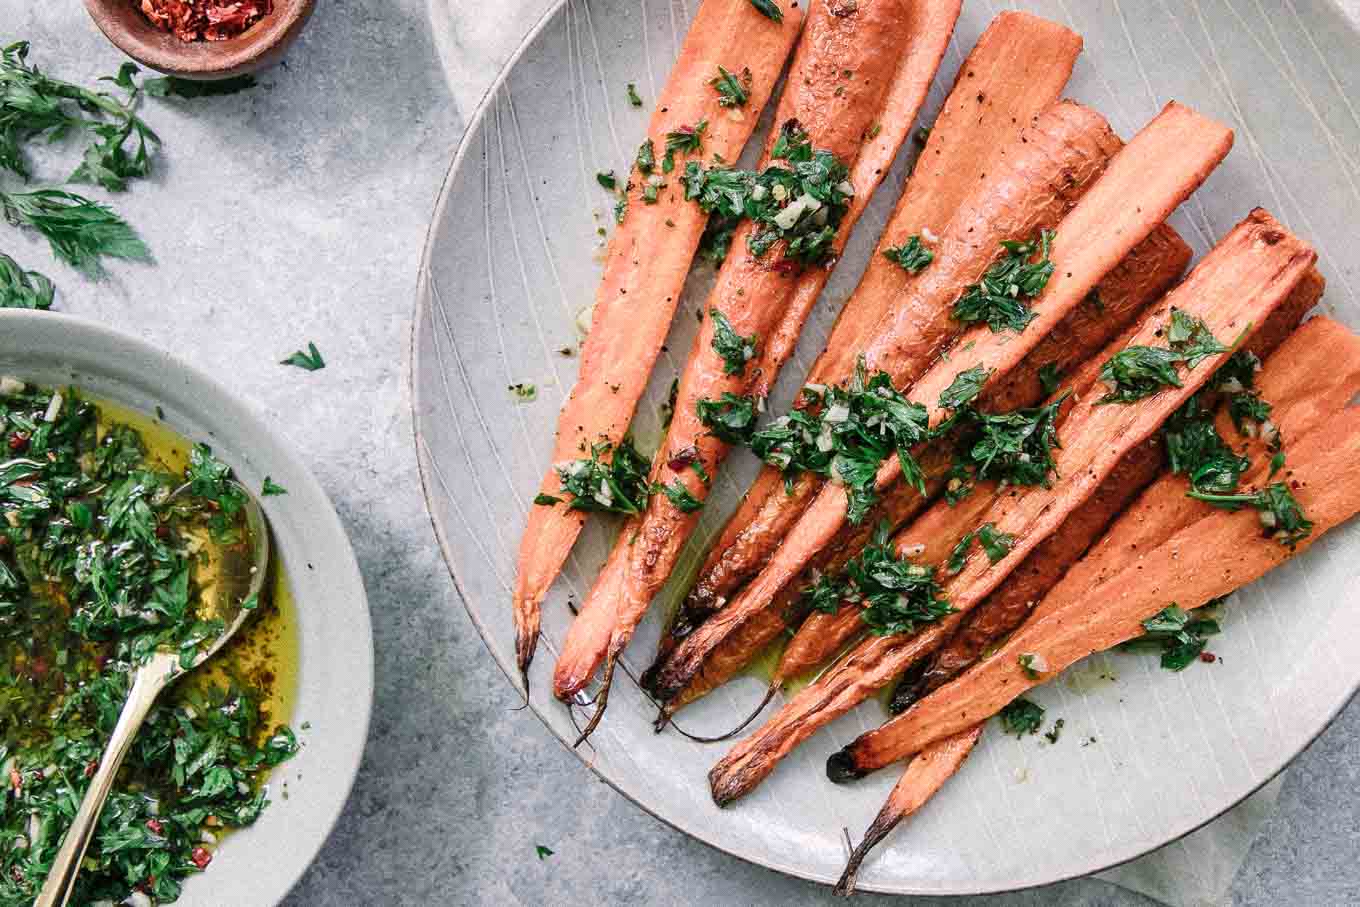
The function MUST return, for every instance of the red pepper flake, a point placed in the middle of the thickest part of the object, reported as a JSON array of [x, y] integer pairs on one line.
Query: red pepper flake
[[18, 441], [201, 857], [154, 826], [682, 458], [205, 20], [1208, 657]]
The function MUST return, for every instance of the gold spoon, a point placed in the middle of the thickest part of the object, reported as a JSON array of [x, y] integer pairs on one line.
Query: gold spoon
[[162, 669]]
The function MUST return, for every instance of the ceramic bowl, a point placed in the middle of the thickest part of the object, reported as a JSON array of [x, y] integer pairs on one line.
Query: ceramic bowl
[[261, 46], [257, 865]]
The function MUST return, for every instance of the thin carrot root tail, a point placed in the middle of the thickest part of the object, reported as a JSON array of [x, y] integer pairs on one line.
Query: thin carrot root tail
[[668, 718], [885, 822], [601, 701]]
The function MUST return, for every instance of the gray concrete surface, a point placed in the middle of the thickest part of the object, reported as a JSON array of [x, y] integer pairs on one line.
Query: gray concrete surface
[[297, 212]]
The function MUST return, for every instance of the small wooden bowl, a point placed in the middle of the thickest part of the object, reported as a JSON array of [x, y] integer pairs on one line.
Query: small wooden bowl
[[262, 45]]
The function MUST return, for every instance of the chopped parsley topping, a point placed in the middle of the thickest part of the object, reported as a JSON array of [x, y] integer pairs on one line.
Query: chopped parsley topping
[[618, 485], [310, 360], [854, 430], [685, 140], [1049, 378], [633, 98], [731, 418], [542, 851], [1010, 448], [679, 496], [20, 289], [1198, 452], [1179, 637], [896, 595], [620, 209], [1000, 298], [965, 388], [734, 349], [646, 157], [607, 180], [524, 393], [1137, 372], [98, 571], [1031, 665], [996, 544], [912, 256], [271, 489], [1021, 717], [799, 199], [769, 9], [732, 91], [1281, 516]]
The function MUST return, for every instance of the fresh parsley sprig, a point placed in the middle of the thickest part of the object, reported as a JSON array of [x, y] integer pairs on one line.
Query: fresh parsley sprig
[[995, 543], [20, 289], [897, 596], [731, 418], [80, 232]]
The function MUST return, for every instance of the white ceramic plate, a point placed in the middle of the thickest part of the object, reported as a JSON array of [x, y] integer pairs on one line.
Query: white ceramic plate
[[509, 264], [257, 865]]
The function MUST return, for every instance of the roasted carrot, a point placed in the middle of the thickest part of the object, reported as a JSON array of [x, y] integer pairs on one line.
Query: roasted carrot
[[1017, 68], [839, 85], [1298, 401], [1229, 551], [1030, 185], [925, 775], [1141, 278], [1300, 404], [1246, 277], [1165, 162], [642, 278]]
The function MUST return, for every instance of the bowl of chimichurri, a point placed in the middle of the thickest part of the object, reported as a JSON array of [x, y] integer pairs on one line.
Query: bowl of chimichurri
[[119, 528]]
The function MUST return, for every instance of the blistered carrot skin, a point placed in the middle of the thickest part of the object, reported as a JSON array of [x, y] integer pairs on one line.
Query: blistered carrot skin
[[1229, 551], [924, 775], [1018, 67], [642, 278], [1165, 162], [842, 72]]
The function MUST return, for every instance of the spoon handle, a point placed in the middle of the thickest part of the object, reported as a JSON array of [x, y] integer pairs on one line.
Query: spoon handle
[[150, 679]]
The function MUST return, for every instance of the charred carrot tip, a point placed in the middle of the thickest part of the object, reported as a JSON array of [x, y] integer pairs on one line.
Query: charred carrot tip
[[841, 768]]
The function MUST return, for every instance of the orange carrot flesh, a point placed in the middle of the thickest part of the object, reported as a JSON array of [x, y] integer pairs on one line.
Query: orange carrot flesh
[[1164, 163], [1018, 68], [924, 775], [1241, 281], [643, 278], [1228, 551], [836, 110]]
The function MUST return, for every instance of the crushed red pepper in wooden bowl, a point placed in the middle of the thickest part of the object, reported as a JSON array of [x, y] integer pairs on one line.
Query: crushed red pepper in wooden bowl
[[205, 20]]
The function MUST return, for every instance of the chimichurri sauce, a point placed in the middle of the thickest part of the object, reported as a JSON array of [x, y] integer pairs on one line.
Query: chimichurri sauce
[[107, 553]]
